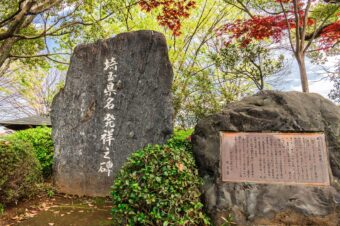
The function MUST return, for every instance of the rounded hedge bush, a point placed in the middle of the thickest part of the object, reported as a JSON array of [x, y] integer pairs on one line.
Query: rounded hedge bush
[[20, 171], [41, 140], [159, 185]]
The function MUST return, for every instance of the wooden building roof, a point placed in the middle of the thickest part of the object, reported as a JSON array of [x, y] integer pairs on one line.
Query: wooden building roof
[[27, 122]]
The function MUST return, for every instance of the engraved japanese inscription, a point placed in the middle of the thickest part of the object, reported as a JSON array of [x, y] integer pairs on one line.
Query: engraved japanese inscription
[[290, 158], [115, 101]]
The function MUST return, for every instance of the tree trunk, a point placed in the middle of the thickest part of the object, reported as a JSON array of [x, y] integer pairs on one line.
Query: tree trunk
[[303, 73], [5, 49]]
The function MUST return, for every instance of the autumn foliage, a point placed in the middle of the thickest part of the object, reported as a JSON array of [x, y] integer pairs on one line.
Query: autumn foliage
[[260, 28], [172, 12], [275, 27], [330, 34]]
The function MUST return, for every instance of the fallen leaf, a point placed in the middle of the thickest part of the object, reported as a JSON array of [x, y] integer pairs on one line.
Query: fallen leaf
[[180, 166], [29, 215]]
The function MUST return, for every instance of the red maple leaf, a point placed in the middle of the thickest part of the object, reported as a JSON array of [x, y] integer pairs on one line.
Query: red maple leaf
[[172, 12], [274, 27]]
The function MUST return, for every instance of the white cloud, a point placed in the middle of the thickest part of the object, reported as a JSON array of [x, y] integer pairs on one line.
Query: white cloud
[[321, 87], [317, 84]]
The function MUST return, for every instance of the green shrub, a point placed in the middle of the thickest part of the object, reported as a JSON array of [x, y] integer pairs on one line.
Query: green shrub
[[159, 185], [20, 171], [41, 140], [2, 209], [181, 139]]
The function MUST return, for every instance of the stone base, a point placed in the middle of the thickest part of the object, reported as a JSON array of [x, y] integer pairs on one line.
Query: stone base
[[268, 204], [259, 204]]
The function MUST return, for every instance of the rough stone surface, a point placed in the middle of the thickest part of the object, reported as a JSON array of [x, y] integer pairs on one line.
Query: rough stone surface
[[143, 109], [263, 204]]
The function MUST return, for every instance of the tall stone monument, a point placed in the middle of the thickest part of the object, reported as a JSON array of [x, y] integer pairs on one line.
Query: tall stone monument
[[271, 159], [117, 99]]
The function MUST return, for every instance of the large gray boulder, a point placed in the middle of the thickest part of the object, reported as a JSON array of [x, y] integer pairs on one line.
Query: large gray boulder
[[263, 204], [117, 99]]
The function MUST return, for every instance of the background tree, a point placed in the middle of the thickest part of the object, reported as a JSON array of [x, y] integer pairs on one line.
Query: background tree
[[26, 26], [307, 26], [253, 62], [199, 87], [202, 84], [40, 35], [335, 91], [29, 91], [334, 76]]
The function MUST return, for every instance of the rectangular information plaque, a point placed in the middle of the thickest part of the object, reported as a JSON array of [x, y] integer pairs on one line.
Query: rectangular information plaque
[[279, 158]]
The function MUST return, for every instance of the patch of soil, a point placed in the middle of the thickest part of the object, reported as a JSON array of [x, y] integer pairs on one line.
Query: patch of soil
[[60, 210]]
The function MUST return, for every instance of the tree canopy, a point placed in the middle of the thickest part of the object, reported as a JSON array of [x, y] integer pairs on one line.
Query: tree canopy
[[221, 50], [26, 25], [307, 26]]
